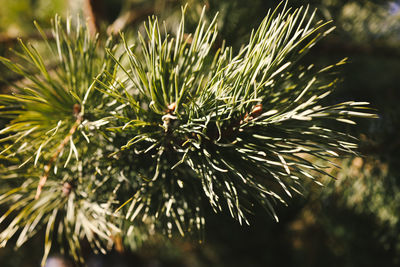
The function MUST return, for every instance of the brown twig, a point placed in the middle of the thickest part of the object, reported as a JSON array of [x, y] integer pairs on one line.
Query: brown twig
[[47, 167], [12, 39], [127, 18], [92, 14]]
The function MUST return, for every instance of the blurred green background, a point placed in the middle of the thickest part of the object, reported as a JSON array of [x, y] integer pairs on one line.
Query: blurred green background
[[353, 221]]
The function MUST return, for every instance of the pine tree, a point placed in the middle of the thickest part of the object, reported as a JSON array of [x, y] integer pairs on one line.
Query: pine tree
[[122, 138]]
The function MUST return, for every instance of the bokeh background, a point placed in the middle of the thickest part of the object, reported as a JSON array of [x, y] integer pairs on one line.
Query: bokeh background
[[352, 221]]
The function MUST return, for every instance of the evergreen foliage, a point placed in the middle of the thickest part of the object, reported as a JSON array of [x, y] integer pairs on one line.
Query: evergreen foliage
[[119, 138]]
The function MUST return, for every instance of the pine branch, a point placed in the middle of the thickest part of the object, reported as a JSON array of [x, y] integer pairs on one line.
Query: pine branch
[[236, 126], [123, 138], [49, 116]]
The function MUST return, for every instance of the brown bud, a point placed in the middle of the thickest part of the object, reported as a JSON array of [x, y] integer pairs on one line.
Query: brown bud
[[257, 110], [171, 107], [76, 109], [66, 189]]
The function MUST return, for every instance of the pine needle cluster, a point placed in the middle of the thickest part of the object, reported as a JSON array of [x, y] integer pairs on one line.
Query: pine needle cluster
[[116, 139]]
